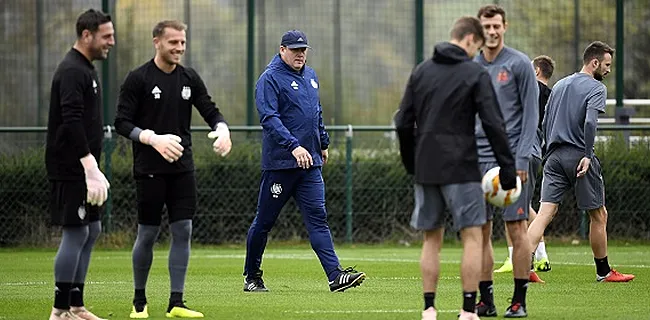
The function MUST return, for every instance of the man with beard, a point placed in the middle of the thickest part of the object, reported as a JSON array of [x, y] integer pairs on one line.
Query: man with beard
[[514, 82], [569, 128], [74, 144], [443, 96], [155, 111]]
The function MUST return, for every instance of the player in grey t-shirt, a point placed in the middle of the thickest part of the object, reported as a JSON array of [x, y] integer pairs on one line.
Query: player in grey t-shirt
[[514, 82], [569, 129], [544, 67]]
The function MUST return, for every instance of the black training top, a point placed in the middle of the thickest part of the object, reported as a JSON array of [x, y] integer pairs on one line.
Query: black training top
[[74, 127], [162, 102]]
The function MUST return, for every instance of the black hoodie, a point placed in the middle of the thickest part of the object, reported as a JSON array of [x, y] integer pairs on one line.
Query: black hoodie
[[436, 119]]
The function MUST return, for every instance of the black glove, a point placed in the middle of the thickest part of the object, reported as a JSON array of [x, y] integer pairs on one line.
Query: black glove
[[508, 178]]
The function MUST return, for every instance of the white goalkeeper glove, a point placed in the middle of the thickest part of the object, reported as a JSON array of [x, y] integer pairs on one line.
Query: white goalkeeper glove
[[168, 145], [223, 144], [96, 183]]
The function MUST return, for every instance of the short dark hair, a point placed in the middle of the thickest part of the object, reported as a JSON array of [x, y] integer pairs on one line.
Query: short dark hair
[[159, 29], [490, 11], [545, 64], [596, 50], [91, 20], [467, 25]]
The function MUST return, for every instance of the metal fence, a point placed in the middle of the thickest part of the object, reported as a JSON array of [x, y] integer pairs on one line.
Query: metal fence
[[363, 49], [369, 196]]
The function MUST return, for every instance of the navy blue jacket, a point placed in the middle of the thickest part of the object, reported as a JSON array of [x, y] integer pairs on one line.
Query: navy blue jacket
[[290, 114]]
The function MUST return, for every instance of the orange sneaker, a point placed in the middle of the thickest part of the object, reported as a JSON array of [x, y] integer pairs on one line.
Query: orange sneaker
[[615, 276], [533, 277]]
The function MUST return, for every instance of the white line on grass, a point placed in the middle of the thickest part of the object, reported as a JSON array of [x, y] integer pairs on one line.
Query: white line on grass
[[400, 260], [365, 311], [44, 283]]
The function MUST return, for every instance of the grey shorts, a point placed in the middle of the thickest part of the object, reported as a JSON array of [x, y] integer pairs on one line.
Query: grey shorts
[[519, 210], [464, 201], [560, 172]]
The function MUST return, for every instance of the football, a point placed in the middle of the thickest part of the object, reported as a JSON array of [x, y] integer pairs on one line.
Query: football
[[494, 194]]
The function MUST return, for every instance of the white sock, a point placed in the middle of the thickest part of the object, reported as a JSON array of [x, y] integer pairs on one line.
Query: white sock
[[510, 253], [540, 253]]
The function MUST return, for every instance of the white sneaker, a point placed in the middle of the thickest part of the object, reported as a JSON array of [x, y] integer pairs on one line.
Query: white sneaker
[[430, 314], [464, 315]]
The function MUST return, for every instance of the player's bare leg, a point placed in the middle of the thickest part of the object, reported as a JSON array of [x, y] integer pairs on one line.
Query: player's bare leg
[[485, 307], [521, 260], [547, 211], [540, 262], [598, 240], [430, 268], [471, 266]]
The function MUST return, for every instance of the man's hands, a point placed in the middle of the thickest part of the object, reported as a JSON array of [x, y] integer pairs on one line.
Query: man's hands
[[325, 155], [168, 145], [302, 157], [96, 183], [583, 166], [223, 144], [523, 175]]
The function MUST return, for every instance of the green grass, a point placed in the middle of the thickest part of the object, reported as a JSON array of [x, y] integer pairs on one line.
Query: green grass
[[299, 288]]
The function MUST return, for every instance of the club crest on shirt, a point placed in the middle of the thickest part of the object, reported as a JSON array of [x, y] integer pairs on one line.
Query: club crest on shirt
[[503, 76], [186, 93]]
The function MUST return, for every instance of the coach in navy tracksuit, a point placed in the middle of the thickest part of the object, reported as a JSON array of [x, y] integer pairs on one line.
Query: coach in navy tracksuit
[[294, 149]]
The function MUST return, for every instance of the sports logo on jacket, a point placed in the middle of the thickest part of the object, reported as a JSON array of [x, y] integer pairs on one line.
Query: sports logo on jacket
[[276, 189], [94, 86], [186, 93], [294, 85], [156, 92], [81, 212], [314, 84], [503, 76]]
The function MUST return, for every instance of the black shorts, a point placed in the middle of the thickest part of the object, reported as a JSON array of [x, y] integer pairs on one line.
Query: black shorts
[[176, 191], [68, 205]]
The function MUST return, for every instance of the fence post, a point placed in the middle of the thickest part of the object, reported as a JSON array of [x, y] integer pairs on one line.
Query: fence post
[[622, 113], [419, 31], [39, 62], [187, 16], [108, 172], [348, 184], [250, 63]]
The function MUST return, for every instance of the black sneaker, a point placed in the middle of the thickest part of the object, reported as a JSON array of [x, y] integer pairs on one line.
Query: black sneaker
[[347, 278], [516, 310], [254, 283], [484, 310]]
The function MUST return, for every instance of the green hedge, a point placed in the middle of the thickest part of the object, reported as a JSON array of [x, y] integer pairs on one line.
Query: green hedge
[[381, 195]]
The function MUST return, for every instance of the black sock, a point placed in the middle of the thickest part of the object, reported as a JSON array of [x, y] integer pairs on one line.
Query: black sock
[[62, 295], [602, 266], [139, 300], [469, 301], [77, 295], [429, 300], [521, 285], [487, 294], [175, 300]]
